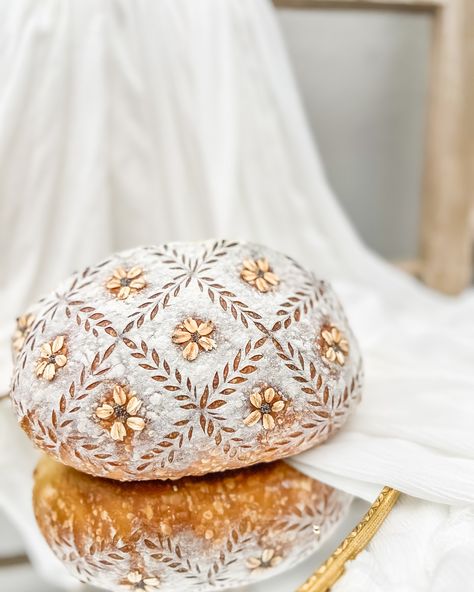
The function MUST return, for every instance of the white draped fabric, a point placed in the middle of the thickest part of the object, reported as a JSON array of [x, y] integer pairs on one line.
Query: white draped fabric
[[125, 123]]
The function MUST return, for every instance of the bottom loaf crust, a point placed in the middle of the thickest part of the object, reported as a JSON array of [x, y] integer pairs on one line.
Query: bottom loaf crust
[[199, 533]]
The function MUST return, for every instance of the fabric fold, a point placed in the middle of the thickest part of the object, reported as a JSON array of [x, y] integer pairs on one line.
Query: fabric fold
[[139, 123]]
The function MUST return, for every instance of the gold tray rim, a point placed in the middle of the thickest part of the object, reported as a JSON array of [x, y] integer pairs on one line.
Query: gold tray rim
[[357, 540]]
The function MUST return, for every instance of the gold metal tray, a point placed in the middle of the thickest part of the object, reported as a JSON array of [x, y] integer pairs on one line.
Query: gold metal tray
[[333, 568]]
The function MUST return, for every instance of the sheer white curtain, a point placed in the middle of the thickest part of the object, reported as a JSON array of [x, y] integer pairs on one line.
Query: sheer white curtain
[[125, 123]]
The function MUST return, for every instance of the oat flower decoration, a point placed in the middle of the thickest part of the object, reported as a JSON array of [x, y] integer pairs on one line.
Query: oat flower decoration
[[125, 282], [335, 345], [266, 407], [121, 412], [258, 273], [53, 356], [266, 560], [23, 327], [194, 336], [135, 581]]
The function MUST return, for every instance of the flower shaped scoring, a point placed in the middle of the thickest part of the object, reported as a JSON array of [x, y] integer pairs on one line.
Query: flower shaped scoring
[[53, 357], [125, 282], [23, 327], [258, 273], [335, 345], [266, 406], [121, 410], [266, 560], [135, 581], [194, 335]]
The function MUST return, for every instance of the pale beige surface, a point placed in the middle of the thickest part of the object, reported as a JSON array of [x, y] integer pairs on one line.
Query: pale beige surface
[[365, 99]]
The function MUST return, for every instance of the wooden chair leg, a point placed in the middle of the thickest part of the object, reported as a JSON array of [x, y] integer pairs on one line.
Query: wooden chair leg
[[446, 232]]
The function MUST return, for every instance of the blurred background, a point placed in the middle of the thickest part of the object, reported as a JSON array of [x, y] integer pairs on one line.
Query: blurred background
[[363, 76]]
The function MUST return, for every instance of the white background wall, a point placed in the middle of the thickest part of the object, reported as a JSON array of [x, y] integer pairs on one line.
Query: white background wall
[[363, 75]]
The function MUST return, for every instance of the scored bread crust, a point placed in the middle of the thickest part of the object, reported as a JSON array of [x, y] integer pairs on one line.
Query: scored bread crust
[[185, 359], [218, 531]]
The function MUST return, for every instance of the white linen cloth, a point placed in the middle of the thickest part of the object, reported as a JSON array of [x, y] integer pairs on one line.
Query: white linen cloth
[[125, 123]]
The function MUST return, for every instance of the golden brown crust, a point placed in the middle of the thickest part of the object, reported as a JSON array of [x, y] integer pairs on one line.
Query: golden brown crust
[[215, 531]]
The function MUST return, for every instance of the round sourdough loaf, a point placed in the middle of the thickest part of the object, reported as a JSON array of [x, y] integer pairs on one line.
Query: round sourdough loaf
[[184, 359], [204, 533]]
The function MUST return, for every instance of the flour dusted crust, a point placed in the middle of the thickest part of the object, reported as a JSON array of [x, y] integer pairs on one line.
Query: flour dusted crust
[[203, 533], [185, 359]]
